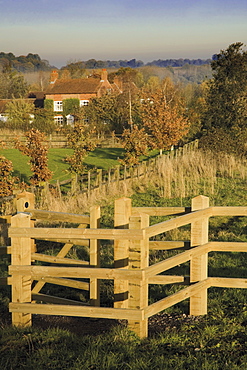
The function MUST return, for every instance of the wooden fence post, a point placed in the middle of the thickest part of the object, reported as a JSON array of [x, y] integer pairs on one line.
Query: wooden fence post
[[89, 183], [25, 201], [139, 259], [21, 255], [117, 175], [95, 256], [121, 251], [199, 265], [74, 183], [99, 180]]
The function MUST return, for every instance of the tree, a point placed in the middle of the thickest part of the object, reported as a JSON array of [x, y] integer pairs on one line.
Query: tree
[[226, 100], [6, 179], [80, 140], [20, 114], [135, 143], [36, 150], [44, 120], [76, 69], [12, 84], [194, 97], [111, 112], [163, 115]]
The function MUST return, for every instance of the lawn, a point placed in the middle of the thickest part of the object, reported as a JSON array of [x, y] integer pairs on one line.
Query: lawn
[[103, 158]]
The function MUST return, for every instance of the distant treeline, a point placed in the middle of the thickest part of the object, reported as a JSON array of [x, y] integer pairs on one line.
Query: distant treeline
[[22, 63], [133, 63], [33, 63]]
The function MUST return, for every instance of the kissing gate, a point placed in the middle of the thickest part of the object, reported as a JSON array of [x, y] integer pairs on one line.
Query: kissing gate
[[131, 272]]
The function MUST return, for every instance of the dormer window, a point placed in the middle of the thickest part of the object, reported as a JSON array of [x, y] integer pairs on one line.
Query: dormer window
[[58, 106]]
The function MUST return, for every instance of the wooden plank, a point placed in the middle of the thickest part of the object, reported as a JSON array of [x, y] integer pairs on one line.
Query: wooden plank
[[77, 311], [23, 232], [79, 242], [166, 245], [56, 300], [65, 282], [229, 211], [228, 246], [174, 261], [5, 250], [166, 279], [54, 259], [199, 263], [177, 222], [169, 301], [37, 272], [37, 214], [160, 211], [228, 282]]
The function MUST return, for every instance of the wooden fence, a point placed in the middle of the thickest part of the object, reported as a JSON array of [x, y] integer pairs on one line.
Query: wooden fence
[[133, 238], [60, 141], [99, 180]]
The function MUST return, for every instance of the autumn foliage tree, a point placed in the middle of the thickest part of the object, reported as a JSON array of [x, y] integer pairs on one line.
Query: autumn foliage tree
[[80, 140], [6, 178], [135, 143], [37, 151], [163, 115]]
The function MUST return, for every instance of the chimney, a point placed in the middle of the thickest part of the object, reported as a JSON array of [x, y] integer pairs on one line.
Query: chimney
[[53, 77], [104, 75]]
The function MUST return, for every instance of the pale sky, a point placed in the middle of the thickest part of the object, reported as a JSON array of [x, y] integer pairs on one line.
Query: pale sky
[[62, 31]]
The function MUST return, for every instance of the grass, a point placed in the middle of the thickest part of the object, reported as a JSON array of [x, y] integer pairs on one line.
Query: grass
[[103, 158], [213, 342]]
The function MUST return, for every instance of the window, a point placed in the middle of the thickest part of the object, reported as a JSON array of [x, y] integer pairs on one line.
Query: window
[[58, 106], [83, 102], [58, 120]]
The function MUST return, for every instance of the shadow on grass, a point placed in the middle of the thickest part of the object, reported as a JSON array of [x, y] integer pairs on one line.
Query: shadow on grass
[[108, 153], [21, 176]]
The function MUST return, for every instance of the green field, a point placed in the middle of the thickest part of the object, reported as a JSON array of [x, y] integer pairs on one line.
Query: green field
[[100, 158], [104, 158]]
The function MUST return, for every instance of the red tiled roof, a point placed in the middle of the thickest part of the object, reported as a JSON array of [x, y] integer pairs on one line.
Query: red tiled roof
[[74, 86]]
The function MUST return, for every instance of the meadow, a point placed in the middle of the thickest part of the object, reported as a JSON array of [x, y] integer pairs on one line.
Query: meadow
[[176, 339], [103, 158]]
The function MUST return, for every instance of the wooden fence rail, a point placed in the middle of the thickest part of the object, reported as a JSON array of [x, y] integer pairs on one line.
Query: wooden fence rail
[[131, 272]]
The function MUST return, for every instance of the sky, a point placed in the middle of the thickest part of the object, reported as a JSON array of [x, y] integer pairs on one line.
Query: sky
[[63, 31]]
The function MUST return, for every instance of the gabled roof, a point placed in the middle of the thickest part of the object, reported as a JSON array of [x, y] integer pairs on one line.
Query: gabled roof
[[88, 85]]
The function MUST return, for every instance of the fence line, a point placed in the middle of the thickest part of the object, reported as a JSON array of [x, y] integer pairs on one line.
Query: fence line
[[131, 272], [99, 180]]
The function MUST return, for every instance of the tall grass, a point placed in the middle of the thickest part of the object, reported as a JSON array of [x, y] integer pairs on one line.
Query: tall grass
[[197, 172], [180, 177]]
